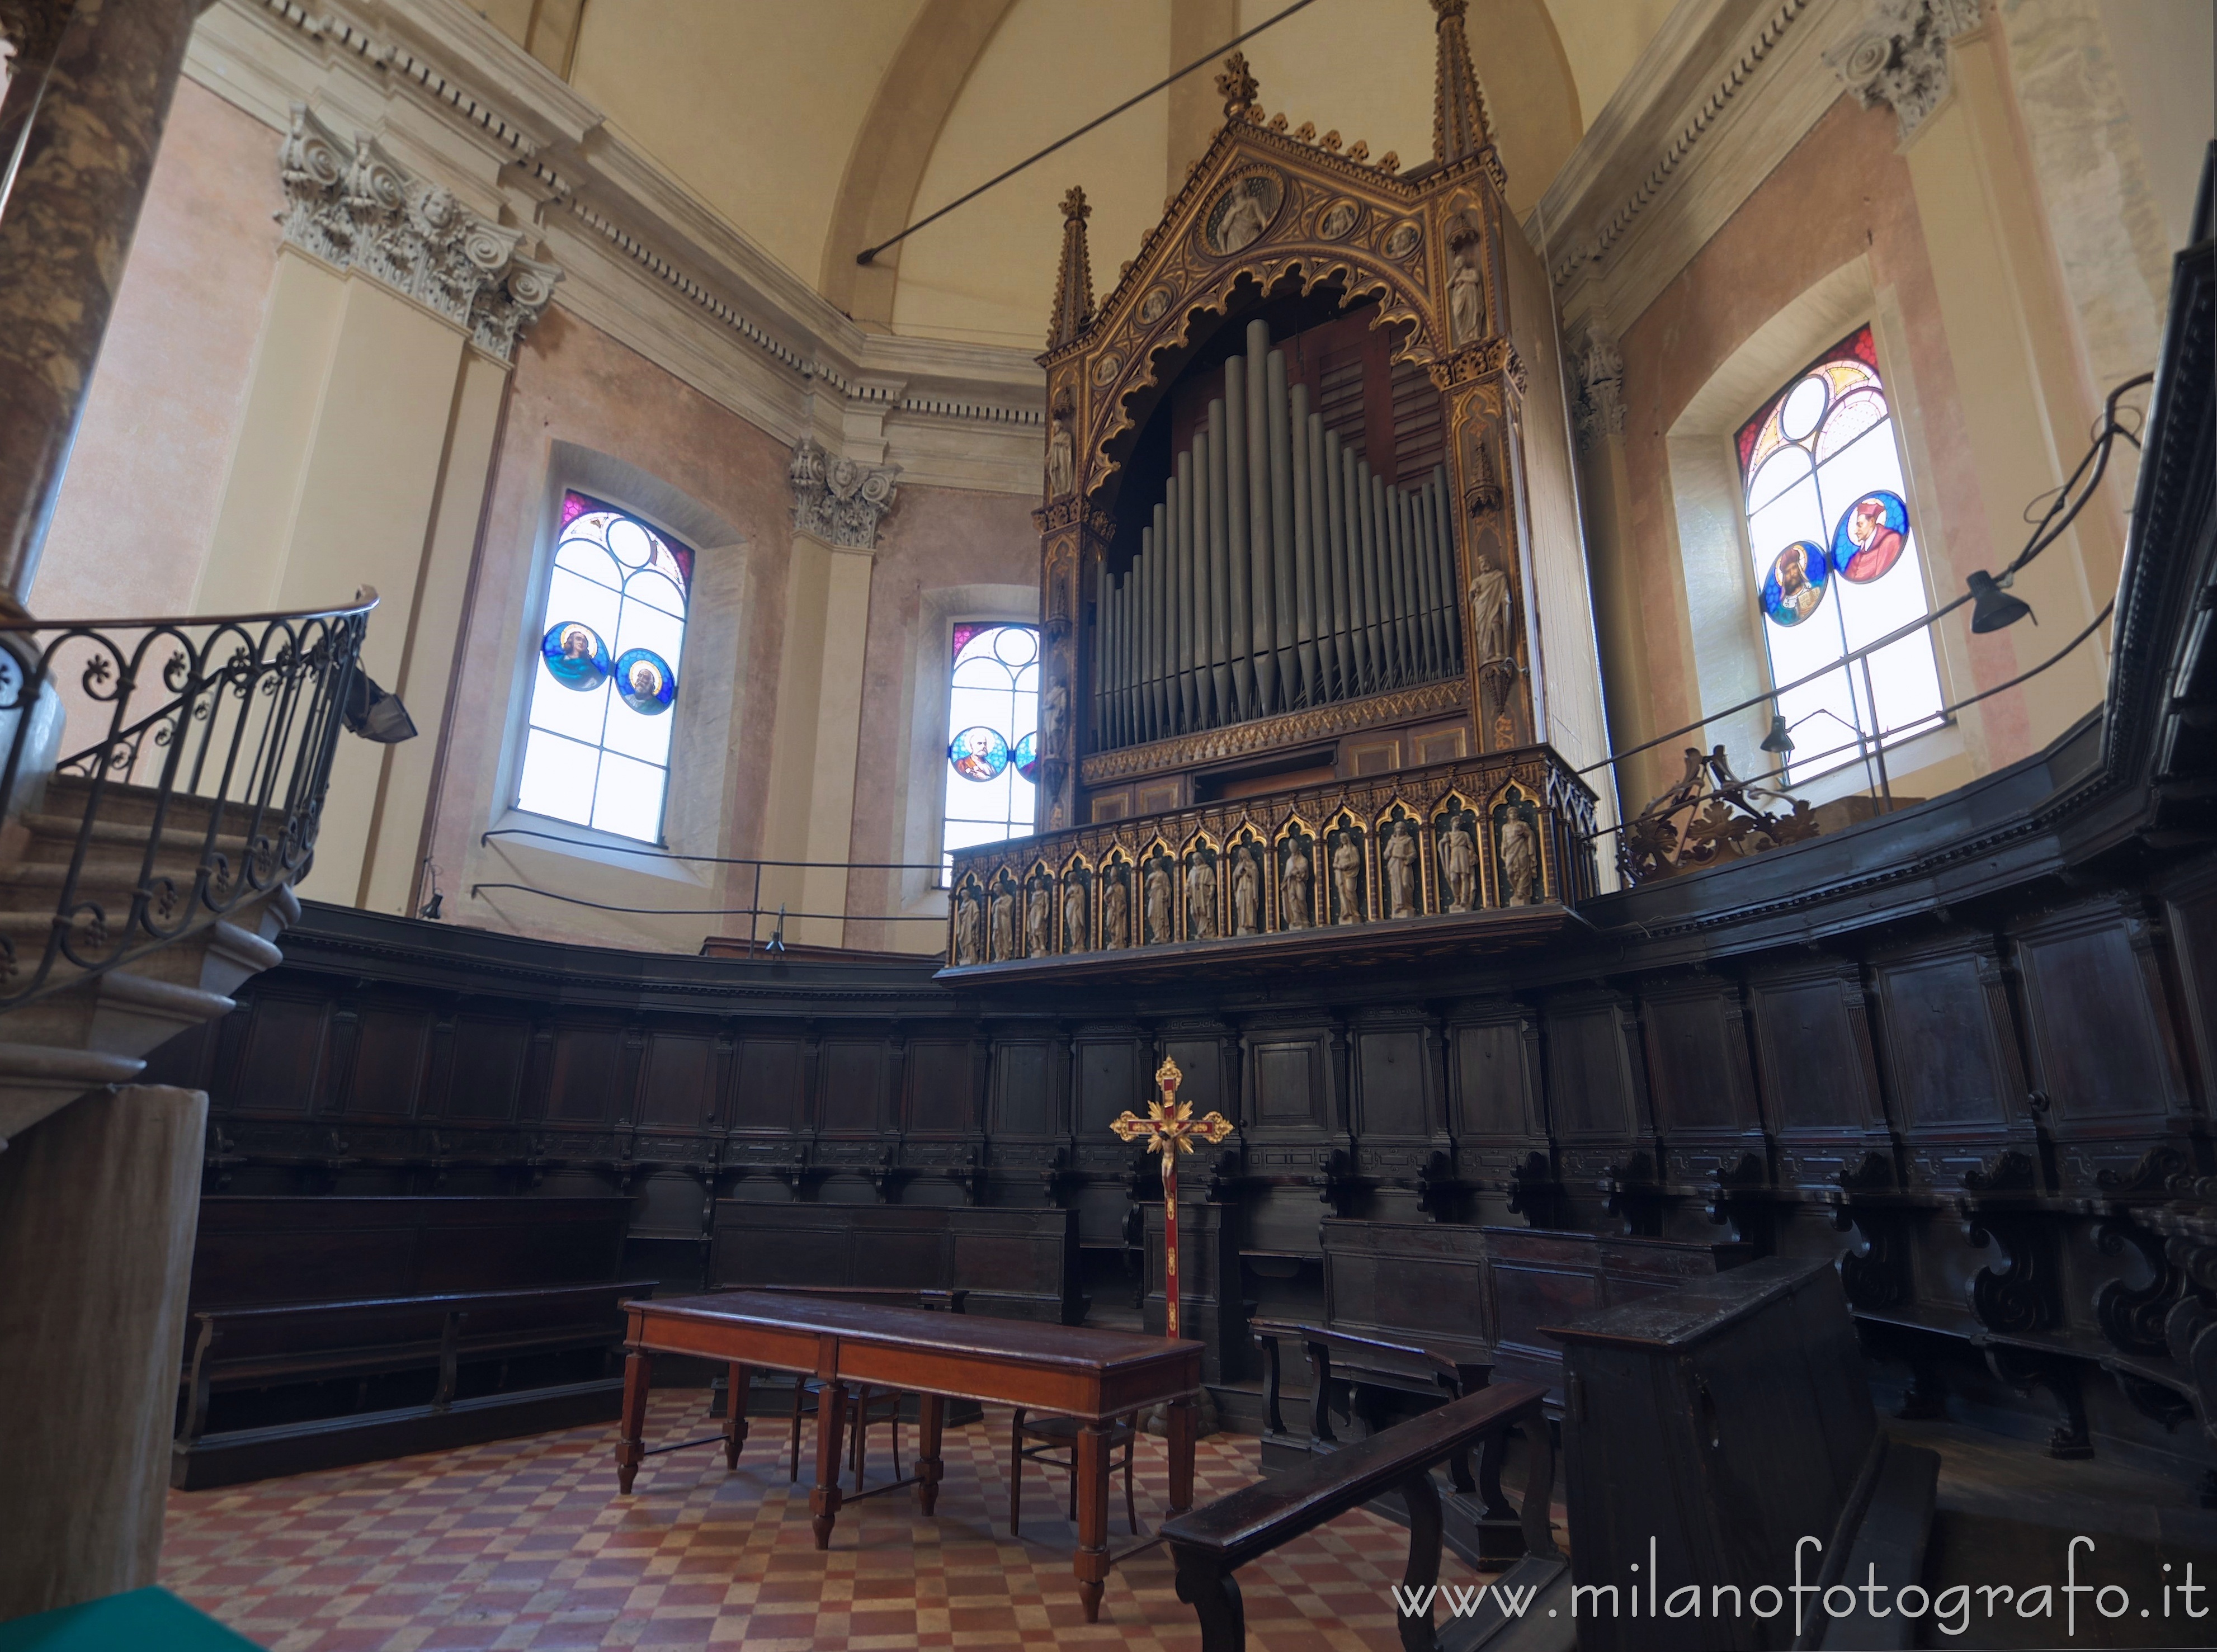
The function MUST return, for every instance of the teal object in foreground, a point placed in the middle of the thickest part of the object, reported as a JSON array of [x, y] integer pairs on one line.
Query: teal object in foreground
[[138, 1621]]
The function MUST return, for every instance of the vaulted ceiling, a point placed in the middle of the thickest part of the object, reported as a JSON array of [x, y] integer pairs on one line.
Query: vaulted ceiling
[[819, 129]]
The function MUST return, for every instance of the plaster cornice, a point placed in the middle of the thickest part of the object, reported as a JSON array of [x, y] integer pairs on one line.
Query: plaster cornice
[[647, 260], [1724, 89]]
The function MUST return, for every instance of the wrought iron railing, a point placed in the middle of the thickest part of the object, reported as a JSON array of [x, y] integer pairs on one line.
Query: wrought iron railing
[[202, 794]]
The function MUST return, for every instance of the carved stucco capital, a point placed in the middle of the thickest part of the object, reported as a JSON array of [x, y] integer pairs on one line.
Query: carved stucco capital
[[350, 204], [1601, 386], [1898, 57], [840, 501]]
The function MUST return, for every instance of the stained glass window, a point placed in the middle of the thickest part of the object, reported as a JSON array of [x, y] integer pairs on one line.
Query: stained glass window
[[1836, 559], [612, 637], [992, 734]]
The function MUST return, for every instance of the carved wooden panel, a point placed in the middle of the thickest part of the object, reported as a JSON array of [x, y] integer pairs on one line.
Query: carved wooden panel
[[1024, 1087], [940, 1074], [677, 1083], [392, 1050], [1493, 1078], [280, 1072], [588, 1063], [1112, 1076], [1594, 1093], [2190, 909], [1949, 1049], [1698, 1073], [1290, 1082], [850, 1101], [771, 1084], [486, 1075], [1201, 1059], [1819, 1072], [1393, 1085], [2103, 1056]]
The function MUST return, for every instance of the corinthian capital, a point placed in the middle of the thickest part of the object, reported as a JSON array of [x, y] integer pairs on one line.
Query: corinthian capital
[[840, 501], [351, 204], [1899, 56]]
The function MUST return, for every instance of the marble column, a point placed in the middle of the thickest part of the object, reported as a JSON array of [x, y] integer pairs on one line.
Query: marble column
[[64, 232], [98, 1204]]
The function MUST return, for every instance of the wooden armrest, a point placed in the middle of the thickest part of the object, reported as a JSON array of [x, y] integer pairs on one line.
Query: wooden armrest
[[1262, 1517]]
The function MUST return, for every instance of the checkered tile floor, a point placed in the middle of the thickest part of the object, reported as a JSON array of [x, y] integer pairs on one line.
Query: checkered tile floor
[[524, 1544]]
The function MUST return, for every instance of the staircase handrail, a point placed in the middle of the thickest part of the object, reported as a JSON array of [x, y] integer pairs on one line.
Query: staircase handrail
[[247, 720]]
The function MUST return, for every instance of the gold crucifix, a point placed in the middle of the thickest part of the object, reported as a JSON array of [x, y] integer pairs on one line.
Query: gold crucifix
[[1169, 1129]]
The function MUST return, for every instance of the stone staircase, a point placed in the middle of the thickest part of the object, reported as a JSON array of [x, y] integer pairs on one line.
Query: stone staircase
[[88, 1030]]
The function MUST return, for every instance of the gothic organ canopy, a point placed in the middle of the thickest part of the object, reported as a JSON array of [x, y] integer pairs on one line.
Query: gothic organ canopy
[[1304, 492]]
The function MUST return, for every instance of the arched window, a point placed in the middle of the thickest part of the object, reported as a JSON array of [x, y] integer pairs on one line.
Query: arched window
[[612, 636], [1836, 561], [992, 734]]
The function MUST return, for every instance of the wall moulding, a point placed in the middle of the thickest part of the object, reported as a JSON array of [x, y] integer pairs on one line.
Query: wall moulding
[[1724, 89], [456, 104]]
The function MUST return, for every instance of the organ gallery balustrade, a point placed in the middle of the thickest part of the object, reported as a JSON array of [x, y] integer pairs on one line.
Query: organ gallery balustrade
[[1469, 840]]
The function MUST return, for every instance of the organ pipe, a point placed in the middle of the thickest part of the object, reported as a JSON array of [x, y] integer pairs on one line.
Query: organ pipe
[[1235, 546], [1277, 570], [1262, 621], [1279, 436], [1305, 527]]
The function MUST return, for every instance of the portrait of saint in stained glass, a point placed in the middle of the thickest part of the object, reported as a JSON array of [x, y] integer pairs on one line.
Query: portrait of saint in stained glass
[[977, 753], [1796, 584], [1026, 757], [1870, 535], [646, 682], [575, 656]]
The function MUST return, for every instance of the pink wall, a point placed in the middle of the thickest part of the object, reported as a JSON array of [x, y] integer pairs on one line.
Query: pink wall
[[573, 383], [936, 538], [146, 479], [1844, 190]]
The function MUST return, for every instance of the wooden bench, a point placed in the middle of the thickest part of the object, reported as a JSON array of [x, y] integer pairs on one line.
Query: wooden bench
[[1209, 1544], [452, 1338], [1382, 1384], [257, 1249], [1011, 1263]]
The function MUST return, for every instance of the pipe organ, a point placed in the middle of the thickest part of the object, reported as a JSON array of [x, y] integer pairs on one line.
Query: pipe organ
[[1277, 573], [1316, 645]]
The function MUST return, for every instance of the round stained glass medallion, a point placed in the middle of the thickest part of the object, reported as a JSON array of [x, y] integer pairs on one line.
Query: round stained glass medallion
[[1026, 757], [978, 752], [1016, 646], [1794, 588], [644, 681], [575, 654], [1868, 537]]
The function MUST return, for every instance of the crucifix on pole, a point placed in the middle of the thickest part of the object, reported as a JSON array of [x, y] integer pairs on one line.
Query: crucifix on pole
[[1169, 1129]]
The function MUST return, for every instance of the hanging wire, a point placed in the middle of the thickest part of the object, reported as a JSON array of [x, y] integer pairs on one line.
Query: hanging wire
[[2046, 530], [868, 254]]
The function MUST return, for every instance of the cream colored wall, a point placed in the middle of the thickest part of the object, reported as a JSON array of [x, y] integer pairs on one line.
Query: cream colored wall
[[1601, 41], [987, 273], [753, 103], [1367, 70], [145, 484], [361, 457]]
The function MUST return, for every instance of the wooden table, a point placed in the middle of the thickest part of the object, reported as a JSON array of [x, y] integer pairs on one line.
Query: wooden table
[[1092, 1375]]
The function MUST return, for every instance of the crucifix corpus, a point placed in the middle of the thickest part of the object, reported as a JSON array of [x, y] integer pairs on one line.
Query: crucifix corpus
[[1169, 1129]]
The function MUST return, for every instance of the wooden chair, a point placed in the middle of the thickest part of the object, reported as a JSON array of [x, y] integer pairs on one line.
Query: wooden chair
[[868, 1406], [1058, 1449]]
